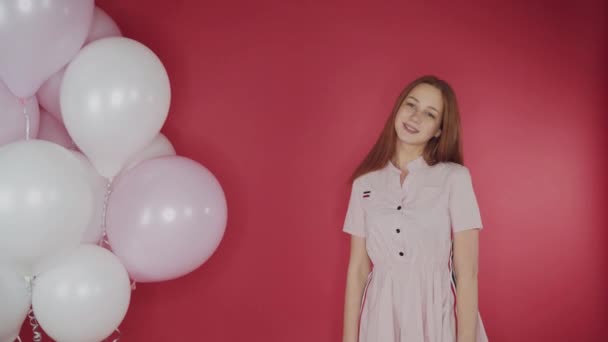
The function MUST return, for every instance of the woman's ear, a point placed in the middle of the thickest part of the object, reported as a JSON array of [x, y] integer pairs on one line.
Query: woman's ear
[[438, 133]]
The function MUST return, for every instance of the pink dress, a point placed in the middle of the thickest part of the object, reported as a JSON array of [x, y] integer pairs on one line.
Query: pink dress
[[408, 229]]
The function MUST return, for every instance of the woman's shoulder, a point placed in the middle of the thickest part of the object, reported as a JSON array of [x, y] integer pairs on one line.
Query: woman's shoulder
[[452, 170], [366, 179], [450, 166]]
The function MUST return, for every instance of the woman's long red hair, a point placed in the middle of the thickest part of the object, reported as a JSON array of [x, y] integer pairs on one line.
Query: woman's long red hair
[[446, 148]]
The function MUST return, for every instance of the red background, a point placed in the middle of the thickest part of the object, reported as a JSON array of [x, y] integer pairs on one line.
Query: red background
[[282, 99]]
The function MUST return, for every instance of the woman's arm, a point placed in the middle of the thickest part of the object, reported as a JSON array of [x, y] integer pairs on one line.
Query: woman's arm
[[356, 278], [466, 255]]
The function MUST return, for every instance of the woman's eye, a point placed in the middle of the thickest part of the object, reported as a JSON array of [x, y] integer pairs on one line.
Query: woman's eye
[[430, 114], [411, 105]]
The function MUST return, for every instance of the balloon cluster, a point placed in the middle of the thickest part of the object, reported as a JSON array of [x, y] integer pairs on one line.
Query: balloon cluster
[[92, 195]]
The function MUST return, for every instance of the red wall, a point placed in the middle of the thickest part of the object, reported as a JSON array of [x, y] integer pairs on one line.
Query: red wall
[[282, 100]]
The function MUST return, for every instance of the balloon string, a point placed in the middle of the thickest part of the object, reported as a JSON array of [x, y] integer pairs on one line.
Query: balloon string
[[29, 281], [117, 338], [19, 339], [27, 119], [37, 336], [104, 242]]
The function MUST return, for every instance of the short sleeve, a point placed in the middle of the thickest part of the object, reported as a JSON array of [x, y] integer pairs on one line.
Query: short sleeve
[[463, 207], [354, 222]]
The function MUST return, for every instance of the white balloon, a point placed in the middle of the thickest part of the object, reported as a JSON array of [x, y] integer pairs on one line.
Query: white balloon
[[48, 95], [45, 202], [94, 231], [84, 297], [115, 98], [16, 300]]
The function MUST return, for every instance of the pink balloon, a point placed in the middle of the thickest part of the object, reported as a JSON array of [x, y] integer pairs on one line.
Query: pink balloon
[[102, 26], [37, 38], [159, 147], [13, 123], [165, 218], [48, 94], [52, 130]]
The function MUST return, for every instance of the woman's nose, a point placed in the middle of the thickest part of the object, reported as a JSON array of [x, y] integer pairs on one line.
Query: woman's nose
[[415, 116]]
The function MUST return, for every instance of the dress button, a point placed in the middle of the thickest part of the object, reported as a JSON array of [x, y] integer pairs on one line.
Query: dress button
[[401, 253], [398, 230], [399, 208]]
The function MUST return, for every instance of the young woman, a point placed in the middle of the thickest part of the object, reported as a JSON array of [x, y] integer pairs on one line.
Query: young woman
[[413, 214]]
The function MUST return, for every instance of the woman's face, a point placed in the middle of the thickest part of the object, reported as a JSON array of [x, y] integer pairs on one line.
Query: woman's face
[[419, 117]]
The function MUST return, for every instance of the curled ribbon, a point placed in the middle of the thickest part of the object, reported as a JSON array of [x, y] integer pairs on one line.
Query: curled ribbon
[[37, 336], [117, 337], [27, 119], [104, 242]]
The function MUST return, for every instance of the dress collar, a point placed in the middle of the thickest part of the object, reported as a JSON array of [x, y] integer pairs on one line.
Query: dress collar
[[416, 164]]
